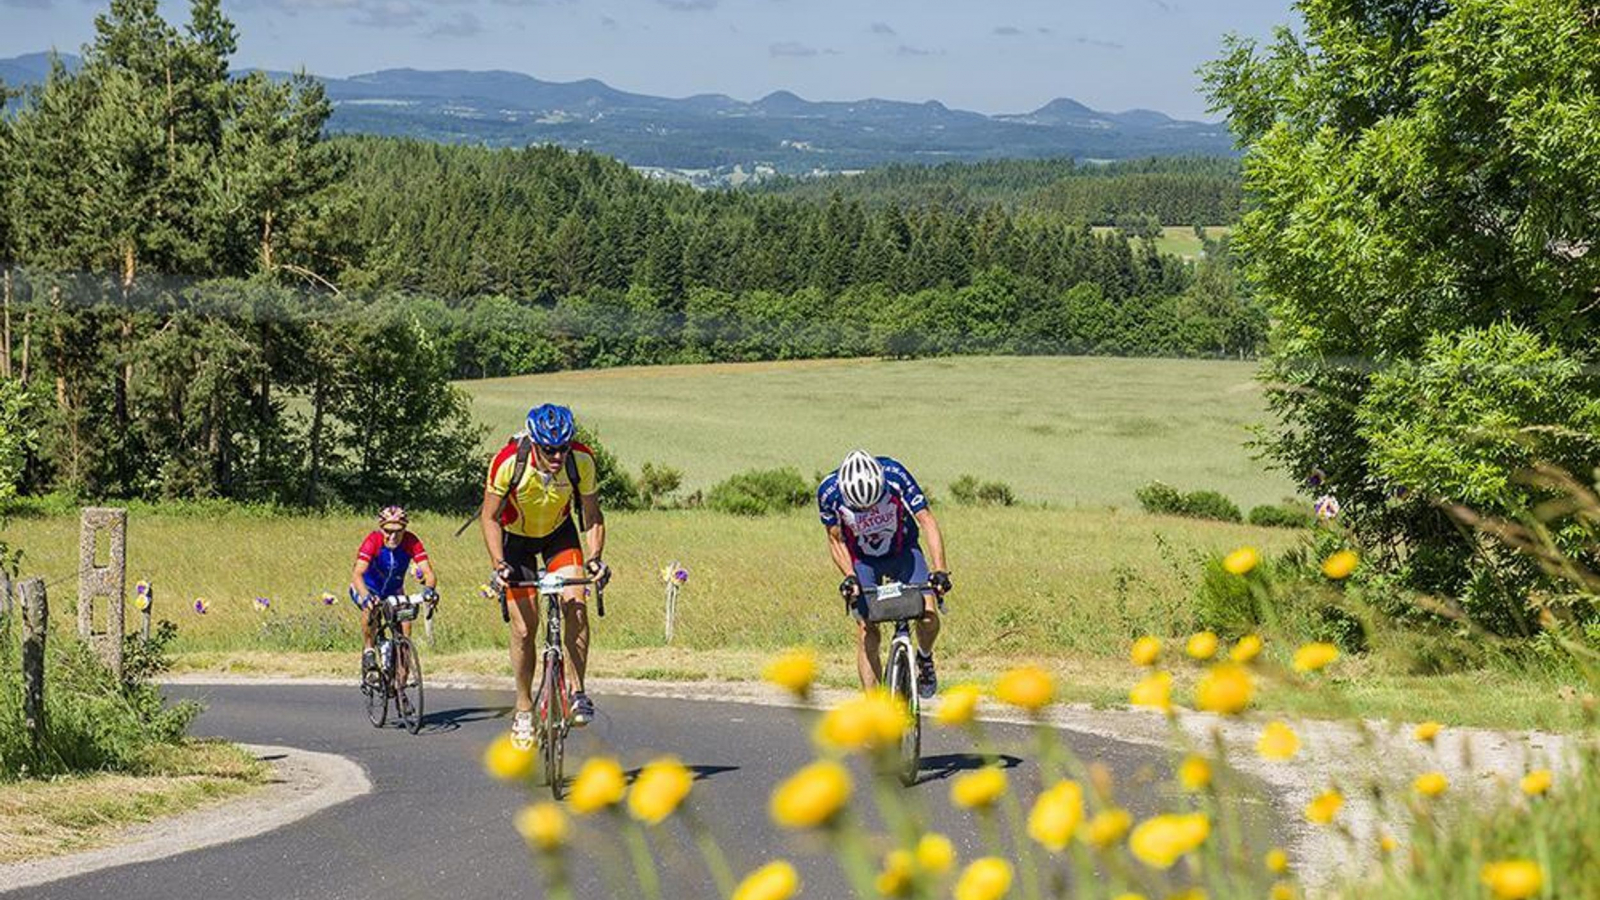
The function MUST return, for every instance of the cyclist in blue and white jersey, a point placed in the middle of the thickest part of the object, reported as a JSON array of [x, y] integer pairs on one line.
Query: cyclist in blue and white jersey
[[875, 513]]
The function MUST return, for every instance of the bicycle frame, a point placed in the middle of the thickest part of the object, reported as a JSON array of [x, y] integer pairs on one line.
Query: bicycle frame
[[553, 701], [901, 672]]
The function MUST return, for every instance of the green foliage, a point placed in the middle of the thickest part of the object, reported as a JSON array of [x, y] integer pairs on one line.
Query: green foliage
[[1163, 499], [1281, 515], [969, 491], [657, 482], [617, 490], [17, 435], [760, 492], [1423, 176]]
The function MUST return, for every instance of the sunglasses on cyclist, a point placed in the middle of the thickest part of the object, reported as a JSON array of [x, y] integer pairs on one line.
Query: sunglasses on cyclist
[[554, 449]]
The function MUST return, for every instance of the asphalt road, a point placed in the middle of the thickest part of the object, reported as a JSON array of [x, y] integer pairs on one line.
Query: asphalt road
[[436, 826]]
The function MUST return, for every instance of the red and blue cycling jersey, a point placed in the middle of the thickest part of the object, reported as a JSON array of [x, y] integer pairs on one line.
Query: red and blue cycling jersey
[[886, 529], [386, 568]]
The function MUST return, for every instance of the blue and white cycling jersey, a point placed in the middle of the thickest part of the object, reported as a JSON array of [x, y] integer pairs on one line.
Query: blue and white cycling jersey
[[885, 529]]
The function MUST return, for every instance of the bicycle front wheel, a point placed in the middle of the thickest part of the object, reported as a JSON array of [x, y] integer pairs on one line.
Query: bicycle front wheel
[[377, 694], [550, 711], [903, 684], [408, 694]]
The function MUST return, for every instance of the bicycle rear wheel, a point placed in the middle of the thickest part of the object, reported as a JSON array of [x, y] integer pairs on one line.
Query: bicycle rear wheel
[[902, 683], [408, 696]]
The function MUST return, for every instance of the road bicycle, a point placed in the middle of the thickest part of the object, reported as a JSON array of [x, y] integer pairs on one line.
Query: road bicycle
[[382, 684], [901, 604], [552, 702]]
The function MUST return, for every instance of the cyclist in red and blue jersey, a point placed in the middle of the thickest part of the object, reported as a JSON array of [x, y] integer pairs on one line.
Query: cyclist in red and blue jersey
[[382, 561], [872, 508]]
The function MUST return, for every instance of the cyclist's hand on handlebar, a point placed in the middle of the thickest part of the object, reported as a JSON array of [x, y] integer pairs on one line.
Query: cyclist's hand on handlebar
[[940, 581], [430, 596], [850, 588], [599, 571], [501, 577]]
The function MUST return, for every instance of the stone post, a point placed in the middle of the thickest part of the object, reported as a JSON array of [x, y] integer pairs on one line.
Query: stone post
[[35, 625], [108, 582]]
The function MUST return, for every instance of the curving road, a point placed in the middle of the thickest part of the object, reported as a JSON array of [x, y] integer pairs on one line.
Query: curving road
[[435, 826]]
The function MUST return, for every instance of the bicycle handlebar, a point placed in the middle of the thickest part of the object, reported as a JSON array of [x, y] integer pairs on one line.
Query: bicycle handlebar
[[551, 584]]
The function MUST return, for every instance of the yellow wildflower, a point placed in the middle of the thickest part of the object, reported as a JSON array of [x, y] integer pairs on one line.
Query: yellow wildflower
[[1106, 827], [978, 790], [1158, 842], [958, 704], [985, 879], [1129, 896], [542, 825], [1426, 732], [1056, 815], [1030, 688], [1315, 655], [935, 854], [1513, 879], [504, 761], [1282, 890], [599, 784], [1387, 843], [871, 720], [1278, 742], [661, 786], [1536, 782], [1194, 773], [793, 671], [1340, 565], [1202, 645], [1322, 810], [1154, 691], [1146, 651], [1190, 894], [1277, 861], [1247, 649], [776, 880], [811, 796], [1226, 688], [898, 876], [1241, 561], [1431, 784]]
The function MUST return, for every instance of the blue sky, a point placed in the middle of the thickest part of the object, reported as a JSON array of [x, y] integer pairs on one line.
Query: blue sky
[[1001, 56]]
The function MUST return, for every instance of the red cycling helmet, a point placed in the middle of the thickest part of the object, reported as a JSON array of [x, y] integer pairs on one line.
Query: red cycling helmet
[[392, 515]]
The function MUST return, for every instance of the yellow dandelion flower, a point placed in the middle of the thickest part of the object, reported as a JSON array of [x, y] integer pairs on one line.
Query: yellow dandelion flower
[[1129, 896], [1225, 688], [1430, 784], [504, 761], [1426, 732], [978, 790], [1146, 651], [1513, 879], [1106, 827], [1194, 773], [1537, 782], [660, 787], [1282, 890], [1277, 861], [1154, 691], [1339, 566], [1278, 742], [776, 880], [1387, 844], [793, 671], [871, 720], [988, 878], [1241, 561], [1202, 645], [1056, 815], [811, 796], [898, 876], [1314, 656], [542, 825], [599, 784], [1326, 805], [958, 705], [935, 854], [1190, 894], [1030, 688], [1247, 649], [1159, 842]]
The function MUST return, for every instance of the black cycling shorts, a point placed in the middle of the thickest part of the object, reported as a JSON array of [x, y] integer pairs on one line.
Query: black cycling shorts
[[556, 550]]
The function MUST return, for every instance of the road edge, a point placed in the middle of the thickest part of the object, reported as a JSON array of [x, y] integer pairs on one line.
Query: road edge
[[305, 782]]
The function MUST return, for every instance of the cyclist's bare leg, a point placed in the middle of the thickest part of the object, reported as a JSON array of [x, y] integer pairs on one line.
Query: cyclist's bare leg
[[575, 626], [524, 609], [869, 654], [928, 625]]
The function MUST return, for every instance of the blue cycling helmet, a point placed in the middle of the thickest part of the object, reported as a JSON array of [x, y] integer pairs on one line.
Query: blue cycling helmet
[[550, 425]]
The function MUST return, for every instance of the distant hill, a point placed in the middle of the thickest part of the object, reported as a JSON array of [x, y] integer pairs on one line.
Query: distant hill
[[780, 132]]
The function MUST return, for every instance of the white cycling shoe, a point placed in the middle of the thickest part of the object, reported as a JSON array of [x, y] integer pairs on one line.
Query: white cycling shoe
[[522, 729]]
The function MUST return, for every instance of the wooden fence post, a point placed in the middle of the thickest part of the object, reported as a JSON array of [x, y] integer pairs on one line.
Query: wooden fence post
[[5, 595], [35, 625], [108, 582]]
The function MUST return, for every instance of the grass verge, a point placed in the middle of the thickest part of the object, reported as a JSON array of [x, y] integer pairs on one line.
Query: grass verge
[[80, 812]]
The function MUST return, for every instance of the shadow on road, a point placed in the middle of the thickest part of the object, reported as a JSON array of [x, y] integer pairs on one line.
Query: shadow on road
[[452, 719], [701, 773], [935, 768]]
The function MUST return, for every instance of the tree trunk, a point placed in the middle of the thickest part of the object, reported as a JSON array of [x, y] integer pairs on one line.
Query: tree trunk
[[5, 329], [314, 470], [266, 242]]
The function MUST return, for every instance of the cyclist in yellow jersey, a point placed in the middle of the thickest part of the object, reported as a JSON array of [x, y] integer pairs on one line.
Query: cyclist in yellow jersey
[[536, 524]]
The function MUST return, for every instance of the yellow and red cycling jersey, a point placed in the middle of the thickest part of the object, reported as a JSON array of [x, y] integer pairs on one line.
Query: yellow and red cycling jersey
[[542, 501]]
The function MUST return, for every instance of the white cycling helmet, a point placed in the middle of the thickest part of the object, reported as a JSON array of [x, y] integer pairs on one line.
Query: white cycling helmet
[[861, 480]]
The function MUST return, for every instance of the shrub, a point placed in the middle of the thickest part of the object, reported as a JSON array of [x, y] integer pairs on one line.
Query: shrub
[[759, 492], [1163, 499], [969, 491], [1160, 498], [656, 482], [1281, 515], [617, 488]]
